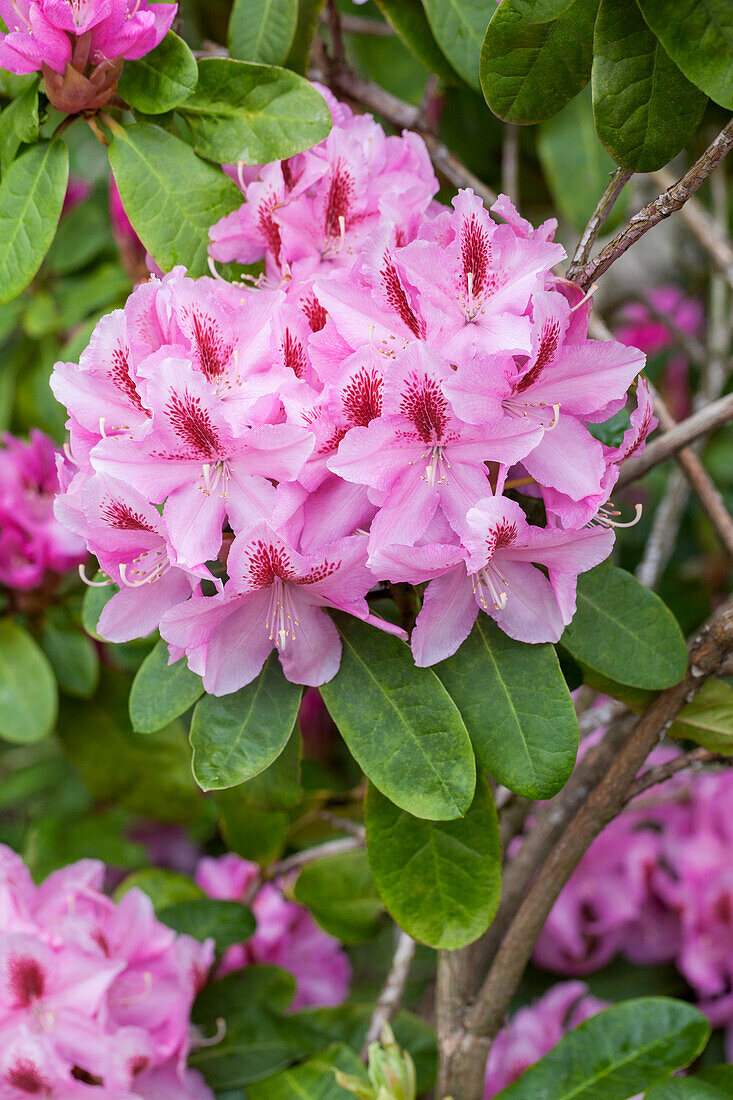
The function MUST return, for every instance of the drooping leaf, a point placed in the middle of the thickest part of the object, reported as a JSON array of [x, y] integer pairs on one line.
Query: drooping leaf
[[530, 70], [28, 694], [242, 111], [400, 724], [708, 719], [82, 235], [161, 79], [170, 195], [309, 12], [225, 922], [575, 164], [517, 709], [161, 692], [410, 23], [340, 892], [313, 1080], [262, 30], [31, 197], [645, 109], [74, 660], [459, 27], [624, 631], [440, 880], [617, 1053], [18, 125], [237, 736], [698, 36]]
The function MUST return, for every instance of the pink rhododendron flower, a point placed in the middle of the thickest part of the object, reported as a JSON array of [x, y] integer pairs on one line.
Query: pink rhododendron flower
[[286, 934], [80, 47], [33, 544], [534, 1030], [92, 990]]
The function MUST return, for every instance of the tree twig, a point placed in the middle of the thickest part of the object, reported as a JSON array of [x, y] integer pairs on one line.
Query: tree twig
[[618, 181], [510, 162], [672, 199], [310, 855], [393, 990], [667, 444], [337, 39], [663, 535], [662, 772], [709, 234], [356, 24]]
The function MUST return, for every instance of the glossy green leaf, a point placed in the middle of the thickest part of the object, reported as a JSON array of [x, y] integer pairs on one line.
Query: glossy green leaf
[[31, 197], [225, 922], [18, 125], [28, 694], [698, 36], [575, 164], [624, 631], [440, 880], [617, 1053], [410, 23], [542, 11], [82, 235], [74, 660], [241, 111], [459, 27], [237, 736], [309, 12], [645, 109], [400, 724], [714, 1083], [517, 709], [708, 719], [160, 80], [313, 1080], [163, 887], [262, 30], [171, 196], [529, 71], [161, 692], [243, 993], [340, 892]]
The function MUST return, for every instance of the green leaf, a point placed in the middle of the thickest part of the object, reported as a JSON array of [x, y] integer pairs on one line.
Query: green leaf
[[226, 922], [161, 692], [459, 27], [28, 695], [163, 887], [244, 993], [94, 603], [241, 111], [698, 36], [31, 197], [529, 70], [440, 880], [74, 660], [410, 23], [237, 736], [340, 893], [575, 164], [262, 30], [645, 109], [171, 196], [400, 724], [517, 709], [18, 125], [714, 1083], [708, 719], [313, 1080], [617, 1053], [82, 236], [624, 631], [309, 12], [162, 79]]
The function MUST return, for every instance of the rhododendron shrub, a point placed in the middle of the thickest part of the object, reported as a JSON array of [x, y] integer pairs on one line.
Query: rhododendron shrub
[[339, 712]]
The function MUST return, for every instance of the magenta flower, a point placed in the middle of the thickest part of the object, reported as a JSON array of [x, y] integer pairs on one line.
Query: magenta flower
[[286, 934], [274, 599]]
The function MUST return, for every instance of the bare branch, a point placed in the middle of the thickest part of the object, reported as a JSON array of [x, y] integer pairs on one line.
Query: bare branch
[[310, 855], [681, 435], [665, 527], [660, 774], [671, 200], [337, 39], [393, 991], [355, 24], [510, 162], [618, 181], [705, 228]]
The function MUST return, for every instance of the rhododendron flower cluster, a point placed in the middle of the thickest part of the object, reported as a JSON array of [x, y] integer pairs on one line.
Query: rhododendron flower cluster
[[534, 1030], [95, 997], [286, 934], [657, 887], [33, 544], [80, 46], [407, 396]]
